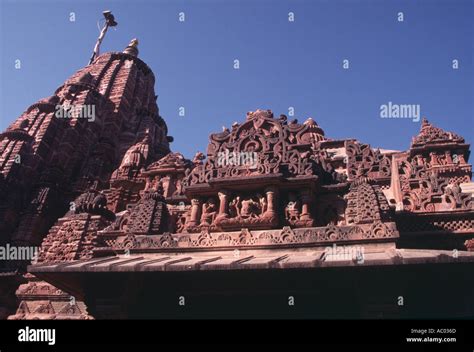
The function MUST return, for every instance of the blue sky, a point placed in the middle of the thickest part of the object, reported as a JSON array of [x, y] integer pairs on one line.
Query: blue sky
[[282, 64]]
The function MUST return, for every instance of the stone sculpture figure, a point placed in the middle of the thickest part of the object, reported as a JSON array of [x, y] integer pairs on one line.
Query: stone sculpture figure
[[209, 210], [198, 158], [292, 212], [234, 207], [453, 192], [250, 208], [263, 203]]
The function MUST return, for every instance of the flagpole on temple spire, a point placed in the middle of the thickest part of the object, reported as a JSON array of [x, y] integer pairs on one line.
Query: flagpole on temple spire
[[109, 22]]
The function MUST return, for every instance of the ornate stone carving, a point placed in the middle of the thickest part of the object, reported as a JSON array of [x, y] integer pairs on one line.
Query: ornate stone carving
[[316, 236], [72, 238], [427, 191], [265, 183], [280, 148], [362, 160], [247, 211], [41, 300], [469, 245], [430, 134], [297, 210], [366, 203], [93, 202]]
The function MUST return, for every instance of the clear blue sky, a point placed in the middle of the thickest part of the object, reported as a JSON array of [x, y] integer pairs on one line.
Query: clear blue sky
[[282, 64]]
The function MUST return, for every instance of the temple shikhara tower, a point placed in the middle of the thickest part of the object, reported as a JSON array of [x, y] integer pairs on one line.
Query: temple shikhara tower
[[274, 208]]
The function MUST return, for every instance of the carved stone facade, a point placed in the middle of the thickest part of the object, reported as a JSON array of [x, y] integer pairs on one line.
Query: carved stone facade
[[112, 186], [41, 300], [428, 177]]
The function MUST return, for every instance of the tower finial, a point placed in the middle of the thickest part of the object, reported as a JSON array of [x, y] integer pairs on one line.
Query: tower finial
[[132, 48]]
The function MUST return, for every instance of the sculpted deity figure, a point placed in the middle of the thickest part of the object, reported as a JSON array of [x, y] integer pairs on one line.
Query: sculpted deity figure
[[179, 188], [250, 208], [209, 210], [263, 203], [292, 211], [234, 207], [447, 157], [419, 160], [198, 158], [180, 223], [434, 159], [434, 181], [454, 192]]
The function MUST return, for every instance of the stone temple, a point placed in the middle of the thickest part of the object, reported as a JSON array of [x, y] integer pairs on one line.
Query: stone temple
[[128, 228]]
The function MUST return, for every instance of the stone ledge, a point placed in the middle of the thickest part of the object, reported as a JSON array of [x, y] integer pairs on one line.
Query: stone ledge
[[250, 260]]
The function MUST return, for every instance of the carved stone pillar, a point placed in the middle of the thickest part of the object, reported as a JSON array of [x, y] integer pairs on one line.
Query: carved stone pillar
[[195, 212], [223, 204], [305, 205], [271, 193]]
